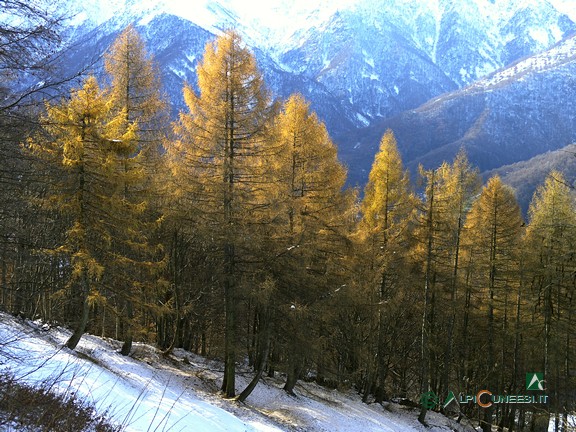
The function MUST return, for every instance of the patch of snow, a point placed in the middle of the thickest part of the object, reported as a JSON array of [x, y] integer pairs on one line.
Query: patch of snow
[[78, 19], [178, 72], [372, 76], [558, 55], [556, 32], [484, 69], [508, 37], [362, 119], [149, 391], [437, 13], [539, 35], [147, 18], [368, 59]]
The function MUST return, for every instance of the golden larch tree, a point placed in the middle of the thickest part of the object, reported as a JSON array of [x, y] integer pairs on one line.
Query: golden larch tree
[[219, 159], [550, 265], [492, 235], [386, 210], [137, 102], [309, 230], [79, 141]]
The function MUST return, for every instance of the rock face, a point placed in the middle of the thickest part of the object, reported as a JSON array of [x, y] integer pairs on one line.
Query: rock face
[[512, 115], [387, 56], [440, 73], [526, 176]]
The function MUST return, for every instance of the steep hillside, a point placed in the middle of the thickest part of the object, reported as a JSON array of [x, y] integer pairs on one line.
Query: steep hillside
[[387, 56], [512, 115], [526, 176], [149, 391]]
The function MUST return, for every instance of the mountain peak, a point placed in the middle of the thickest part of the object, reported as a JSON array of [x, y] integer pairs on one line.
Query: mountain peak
[[361, 62]]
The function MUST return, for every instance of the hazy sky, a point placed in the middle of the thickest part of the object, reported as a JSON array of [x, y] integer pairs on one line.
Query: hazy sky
[[277, 15], [566, 6], [279, 11]]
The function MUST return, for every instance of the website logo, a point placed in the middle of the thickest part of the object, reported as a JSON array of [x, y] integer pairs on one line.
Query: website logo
[[429, 400], [486, 398], [449, 399], [534, 381]]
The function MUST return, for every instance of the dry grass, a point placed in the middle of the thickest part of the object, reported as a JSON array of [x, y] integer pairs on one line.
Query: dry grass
[[27, 408]]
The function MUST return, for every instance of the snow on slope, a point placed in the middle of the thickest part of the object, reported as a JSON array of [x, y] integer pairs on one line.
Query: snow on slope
[[148, 392], [562, 53], [135, 394], [567, 7], [264, 24]]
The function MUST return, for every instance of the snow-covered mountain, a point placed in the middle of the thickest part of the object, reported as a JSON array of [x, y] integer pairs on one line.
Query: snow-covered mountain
[[380, 57], [511, 115], [386, 56], [177, 38], [359, 62]]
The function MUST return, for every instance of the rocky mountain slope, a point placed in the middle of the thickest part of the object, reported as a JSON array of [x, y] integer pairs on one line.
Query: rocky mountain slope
[[386, 56], [437, 72], [513, 114], [526, 176]]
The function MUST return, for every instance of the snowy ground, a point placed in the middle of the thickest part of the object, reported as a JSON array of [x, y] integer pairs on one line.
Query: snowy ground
[[148, 392]]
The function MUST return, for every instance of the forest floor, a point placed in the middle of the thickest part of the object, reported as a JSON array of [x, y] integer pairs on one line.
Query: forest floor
[[151, 392]]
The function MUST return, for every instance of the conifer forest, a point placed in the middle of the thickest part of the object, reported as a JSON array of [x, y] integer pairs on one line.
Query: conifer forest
[[228, 229]]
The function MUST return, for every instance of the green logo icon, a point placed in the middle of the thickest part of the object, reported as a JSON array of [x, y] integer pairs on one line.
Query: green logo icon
[[534, 381], [429, 400], [449, 399]]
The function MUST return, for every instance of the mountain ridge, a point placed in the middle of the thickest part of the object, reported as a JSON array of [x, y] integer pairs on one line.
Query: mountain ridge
[[373, 65], [527, 175], [512, 115]]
